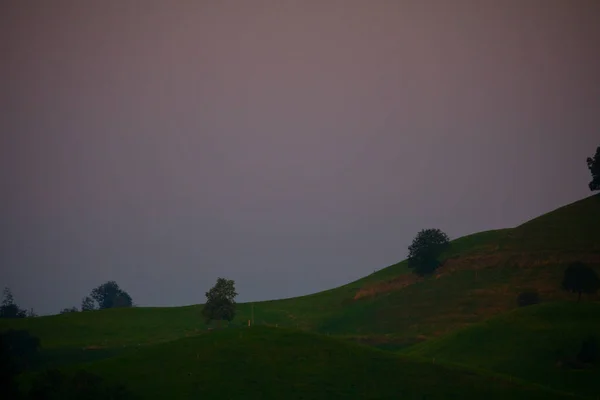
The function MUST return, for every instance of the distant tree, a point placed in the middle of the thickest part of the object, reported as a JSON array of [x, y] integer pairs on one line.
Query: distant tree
[[122, 300], [220, 301], [579, 278], [528, 298], [69, 310], [87, 304], [594, 167], [7, 297], [425, 249], [110, 295], [9, 309]]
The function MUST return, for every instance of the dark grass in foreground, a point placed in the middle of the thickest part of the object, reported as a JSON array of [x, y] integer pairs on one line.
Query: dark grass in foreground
[[277, 363], [535, 343]]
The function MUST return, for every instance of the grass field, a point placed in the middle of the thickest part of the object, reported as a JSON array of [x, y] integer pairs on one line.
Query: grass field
[[275, 363], [531, 343], [464, 314]]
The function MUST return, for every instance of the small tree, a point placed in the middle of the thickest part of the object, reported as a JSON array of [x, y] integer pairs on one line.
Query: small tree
[[594, 167], [69, 310], [110, 295], [9, 309], [87, 304], [579, 278], [425, 249], [220, 303]]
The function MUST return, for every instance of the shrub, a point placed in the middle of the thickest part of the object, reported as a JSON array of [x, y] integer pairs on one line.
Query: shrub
[[580, 278]]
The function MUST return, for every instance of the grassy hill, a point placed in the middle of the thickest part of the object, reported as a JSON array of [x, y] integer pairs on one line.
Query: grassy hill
[[533, 343], [275, 363], [481, 276]]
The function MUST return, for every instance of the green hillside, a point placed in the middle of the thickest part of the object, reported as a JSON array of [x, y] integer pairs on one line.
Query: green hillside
[[276, 363], [480, 278], [534, 343]]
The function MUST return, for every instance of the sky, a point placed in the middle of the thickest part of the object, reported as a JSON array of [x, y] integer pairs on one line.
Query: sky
[[292, 146]]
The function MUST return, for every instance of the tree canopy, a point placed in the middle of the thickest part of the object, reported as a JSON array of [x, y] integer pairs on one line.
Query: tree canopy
[[220, 301], [108, 295], [594, 167], [87, 304], [9, 309], [69, 310], [580, 278], [425, 249]]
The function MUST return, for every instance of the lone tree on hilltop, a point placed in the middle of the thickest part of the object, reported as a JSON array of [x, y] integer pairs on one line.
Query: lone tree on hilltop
[[110, 295], [220, 303], [594, 167], [9, 309], [425, 249], [579, 278]]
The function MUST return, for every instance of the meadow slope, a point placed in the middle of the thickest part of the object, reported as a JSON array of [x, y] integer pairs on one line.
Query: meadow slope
[[480, 278], [275, 363], [534, 343]]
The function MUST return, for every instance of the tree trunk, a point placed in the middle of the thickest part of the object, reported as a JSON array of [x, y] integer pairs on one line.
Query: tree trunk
[[579, 297]]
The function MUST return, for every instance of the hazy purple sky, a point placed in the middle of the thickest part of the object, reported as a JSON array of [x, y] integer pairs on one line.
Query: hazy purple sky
[[292, 146]]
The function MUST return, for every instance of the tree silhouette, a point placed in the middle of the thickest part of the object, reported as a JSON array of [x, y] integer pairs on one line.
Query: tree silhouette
[[9, 309], [425, 249], [110, 295], [579, 278], [87, 304], [220, 303], [594, 167]]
